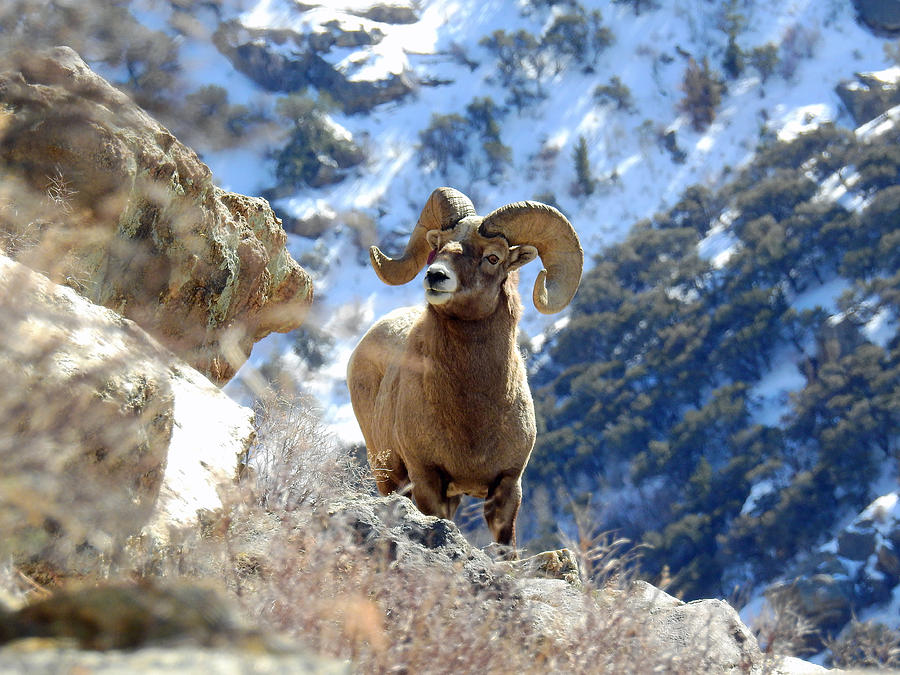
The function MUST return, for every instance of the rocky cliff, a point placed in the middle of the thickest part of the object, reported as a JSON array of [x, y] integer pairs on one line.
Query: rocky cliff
[[99, 196]]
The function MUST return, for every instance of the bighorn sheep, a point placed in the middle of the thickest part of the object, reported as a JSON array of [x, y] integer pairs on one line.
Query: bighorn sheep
[[440, 392]]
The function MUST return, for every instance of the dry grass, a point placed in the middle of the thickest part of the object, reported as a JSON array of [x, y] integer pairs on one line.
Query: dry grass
[[315, 580], [319, 582], [866, 645], [294, 461], [783, 628]]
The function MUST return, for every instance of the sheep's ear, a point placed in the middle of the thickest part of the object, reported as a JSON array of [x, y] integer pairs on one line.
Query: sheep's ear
[[433, 237], [519, 255]]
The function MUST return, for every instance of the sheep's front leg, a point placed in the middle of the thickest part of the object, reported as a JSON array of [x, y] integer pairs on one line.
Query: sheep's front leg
[[389, 471], [501, 508], [429, 490]]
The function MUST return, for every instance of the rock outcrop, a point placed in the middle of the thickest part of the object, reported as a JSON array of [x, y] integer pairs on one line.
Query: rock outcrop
[[104, 433], [857, 570], [99, 196], [286, 60], [870, 94], [708, 634]]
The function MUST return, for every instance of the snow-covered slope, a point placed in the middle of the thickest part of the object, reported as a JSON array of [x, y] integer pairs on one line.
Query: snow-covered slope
[[820, 44]]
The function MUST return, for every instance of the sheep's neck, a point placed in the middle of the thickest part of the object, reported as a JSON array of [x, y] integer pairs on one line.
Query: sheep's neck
[[475, 357]]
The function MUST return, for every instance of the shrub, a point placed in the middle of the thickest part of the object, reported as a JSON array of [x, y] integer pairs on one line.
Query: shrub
[[295, 461], [702, 94], [764, 59], [733, 63], [317, 153], [444, 140], [615, 93], [577, 37], [866, 644]]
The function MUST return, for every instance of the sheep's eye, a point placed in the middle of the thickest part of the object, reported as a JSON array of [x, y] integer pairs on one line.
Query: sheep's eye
[[493, 259]]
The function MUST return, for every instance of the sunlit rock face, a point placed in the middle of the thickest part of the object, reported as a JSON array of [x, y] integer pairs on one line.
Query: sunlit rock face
[[99, 196], [104, 433]]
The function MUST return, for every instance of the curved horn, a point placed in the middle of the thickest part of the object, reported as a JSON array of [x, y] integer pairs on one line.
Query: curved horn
[[445, 207], [552, 234]]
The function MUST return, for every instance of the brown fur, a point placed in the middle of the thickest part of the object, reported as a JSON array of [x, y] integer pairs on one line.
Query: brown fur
[[441, 394]]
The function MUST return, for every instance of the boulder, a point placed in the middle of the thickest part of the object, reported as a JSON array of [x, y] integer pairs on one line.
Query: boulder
[[888, 562], [655, 628], [398, 534], [709, 630], [386, 548], [99, 196], [881, 16], [870, 94], [396, 13], [104, 433], [856, 544]]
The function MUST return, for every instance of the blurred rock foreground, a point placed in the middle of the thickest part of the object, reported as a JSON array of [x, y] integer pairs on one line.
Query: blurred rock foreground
[[191, 628], [99, 196], [104, 433]]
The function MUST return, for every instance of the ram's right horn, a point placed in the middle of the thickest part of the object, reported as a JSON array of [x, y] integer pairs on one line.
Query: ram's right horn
[[548, 230]]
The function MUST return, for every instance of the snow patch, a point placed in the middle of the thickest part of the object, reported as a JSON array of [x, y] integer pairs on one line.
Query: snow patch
[[718, 246], [758, 491]]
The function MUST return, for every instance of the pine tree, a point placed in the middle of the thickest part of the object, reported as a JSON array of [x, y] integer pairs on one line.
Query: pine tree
[[585, 182], [702, 94], [765, 60], [733, 63]]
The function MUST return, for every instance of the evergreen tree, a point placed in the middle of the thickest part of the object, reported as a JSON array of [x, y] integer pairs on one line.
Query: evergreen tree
[[702, 94], [652, 376], [879, 167], [584, 180], [483, 115], [765, 60], [870, 247], [733, 63]]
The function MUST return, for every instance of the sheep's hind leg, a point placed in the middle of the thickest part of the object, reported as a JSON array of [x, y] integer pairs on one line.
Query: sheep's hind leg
[[500, 510]]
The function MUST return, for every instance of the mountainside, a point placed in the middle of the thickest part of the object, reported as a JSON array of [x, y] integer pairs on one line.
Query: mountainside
[[724, 389]]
